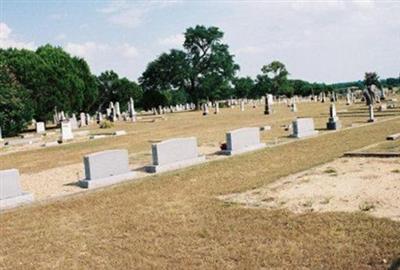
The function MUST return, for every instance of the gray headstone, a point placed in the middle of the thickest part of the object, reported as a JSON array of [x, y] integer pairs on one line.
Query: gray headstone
[[242, 140], [333, 121], [10, 190], [303, 127], [173, 154], [106, 168]]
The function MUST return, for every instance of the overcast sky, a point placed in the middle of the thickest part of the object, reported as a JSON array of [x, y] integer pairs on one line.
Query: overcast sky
[[324, 41]]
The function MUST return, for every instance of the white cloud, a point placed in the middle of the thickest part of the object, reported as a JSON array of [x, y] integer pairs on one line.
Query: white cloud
[[338, 41], [101, 56], [132, 14], [172, 41], [61, 36], [7, 40]]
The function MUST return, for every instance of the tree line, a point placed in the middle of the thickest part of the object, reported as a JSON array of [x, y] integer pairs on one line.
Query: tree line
[[35, 83]]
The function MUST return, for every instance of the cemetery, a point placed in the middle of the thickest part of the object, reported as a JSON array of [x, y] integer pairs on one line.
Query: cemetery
[[192, 139], [206, 159]]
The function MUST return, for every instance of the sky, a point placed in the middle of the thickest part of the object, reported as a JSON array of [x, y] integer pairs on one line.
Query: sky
[[318, 41]]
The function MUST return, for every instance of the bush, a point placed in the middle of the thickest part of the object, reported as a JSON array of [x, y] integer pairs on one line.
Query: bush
[[106, 124]]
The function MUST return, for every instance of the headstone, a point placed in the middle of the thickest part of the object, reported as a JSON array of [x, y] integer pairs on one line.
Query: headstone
[[371, 113], [117, 110], [82, 119], [62, 116], [106, 168], [99, 117], [382, 107], [348, 98], [205, 109], [333, 121], [333, 96], [216, 107], [131, 110], [268, 104], [242, 106], [1, 135], [40, 128], [11, 194], [323, 97], [73, 121], [66, 131], [293, 107], [174, 154], [242, 140], [88, 119], [303, 127]]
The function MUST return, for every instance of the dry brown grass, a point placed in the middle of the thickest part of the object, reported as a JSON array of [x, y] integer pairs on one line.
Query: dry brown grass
[[385, 146], [208, 130], [174, 221]]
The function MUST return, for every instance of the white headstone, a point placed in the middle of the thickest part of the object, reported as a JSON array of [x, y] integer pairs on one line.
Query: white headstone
[[66, 131], [371, 113], [82, 120], [205, 109], [40, 128], [216, 107]]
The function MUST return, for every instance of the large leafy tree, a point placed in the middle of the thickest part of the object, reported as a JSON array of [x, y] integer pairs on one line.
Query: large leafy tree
[[204, 69], [112, 88], [15, 106], [52, 78], [372, 78], [243, 87], [276, 74]]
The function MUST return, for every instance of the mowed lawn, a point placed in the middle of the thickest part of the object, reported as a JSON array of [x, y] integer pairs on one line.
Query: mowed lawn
[[174, 221]]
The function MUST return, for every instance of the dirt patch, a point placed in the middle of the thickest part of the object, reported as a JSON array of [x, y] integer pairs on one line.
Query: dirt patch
[[370, 185]]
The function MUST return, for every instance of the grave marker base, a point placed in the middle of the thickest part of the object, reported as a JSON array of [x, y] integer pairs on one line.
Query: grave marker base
[[243, 150], [175, 165], [25, 198], [106, 181]]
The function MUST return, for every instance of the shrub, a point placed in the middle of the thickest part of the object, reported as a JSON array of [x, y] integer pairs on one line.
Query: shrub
[[106, 124]]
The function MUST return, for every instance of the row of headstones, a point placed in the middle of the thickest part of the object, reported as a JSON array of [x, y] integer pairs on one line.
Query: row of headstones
[[112, 166], [172, 109]]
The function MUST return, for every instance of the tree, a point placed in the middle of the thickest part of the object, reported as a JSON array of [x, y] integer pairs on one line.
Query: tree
[[152, 99], [52, 78], [243, 87], [15, 107], [277, 73], [372, 78], [112, 88], [204, 70]]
